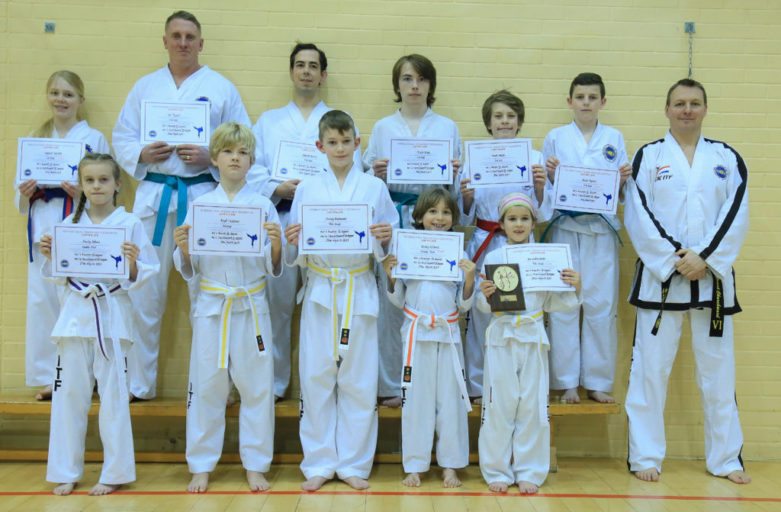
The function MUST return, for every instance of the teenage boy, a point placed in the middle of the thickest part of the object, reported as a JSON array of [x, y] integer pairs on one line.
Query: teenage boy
[[295, 122], [338, 359], [586, 355], [687, 215]]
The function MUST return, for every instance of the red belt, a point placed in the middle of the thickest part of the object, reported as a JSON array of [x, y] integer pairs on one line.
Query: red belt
[[492, 228]]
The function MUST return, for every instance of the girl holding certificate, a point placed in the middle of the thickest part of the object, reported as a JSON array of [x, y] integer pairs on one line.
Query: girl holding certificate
[[514, 441], [414, 83], [46, 206], [503, 116], [93, 334], [438, 402]]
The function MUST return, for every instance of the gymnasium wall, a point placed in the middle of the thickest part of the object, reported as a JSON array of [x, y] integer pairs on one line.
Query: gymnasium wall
[[532, 48]]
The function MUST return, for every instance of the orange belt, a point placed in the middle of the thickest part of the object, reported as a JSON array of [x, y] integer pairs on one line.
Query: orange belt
[[410, 340]]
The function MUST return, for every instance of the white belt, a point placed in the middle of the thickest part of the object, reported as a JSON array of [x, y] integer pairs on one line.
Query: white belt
[[93, 292], [517, 320], [340, 339], [230, 293], [410, 340]]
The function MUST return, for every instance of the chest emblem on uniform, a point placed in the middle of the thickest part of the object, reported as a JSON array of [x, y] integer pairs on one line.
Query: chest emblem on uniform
[[609, 152], [720, 171], [663, 173]]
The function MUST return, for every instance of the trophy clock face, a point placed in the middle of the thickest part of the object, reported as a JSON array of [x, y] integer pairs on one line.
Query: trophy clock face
[[505, 278]]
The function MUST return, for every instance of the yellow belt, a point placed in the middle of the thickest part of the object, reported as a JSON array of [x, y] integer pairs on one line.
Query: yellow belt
[[410, 340], [340, 339], [517, 320], [230, 293]]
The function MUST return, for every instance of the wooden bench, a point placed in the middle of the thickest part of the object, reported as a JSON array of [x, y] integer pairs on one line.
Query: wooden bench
[[25, 404]]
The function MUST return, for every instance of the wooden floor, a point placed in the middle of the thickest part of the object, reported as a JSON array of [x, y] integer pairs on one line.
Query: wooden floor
[[581, 485]]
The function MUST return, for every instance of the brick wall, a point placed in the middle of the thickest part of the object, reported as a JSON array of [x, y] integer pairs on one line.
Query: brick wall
[[478, 47]]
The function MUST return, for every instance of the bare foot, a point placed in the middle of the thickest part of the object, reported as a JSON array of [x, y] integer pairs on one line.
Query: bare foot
[[570, 396], [412, 480], [199, 483], [527, 487], [739, 477], [356, 483], [394, 402], [314, 483], [45, 393], [64, 489], [601, 397], [648, 475], [103, 489], [257, 482], [478, 400], [450, 478], [497, 487]]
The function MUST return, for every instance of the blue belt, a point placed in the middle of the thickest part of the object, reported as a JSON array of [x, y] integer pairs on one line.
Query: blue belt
[[170, 183], [567, 213], [403, 199]]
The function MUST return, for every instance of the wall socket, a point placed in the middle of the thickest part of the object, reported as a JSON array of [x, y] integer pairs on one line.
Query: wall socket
[[49, 26], [688, 27]]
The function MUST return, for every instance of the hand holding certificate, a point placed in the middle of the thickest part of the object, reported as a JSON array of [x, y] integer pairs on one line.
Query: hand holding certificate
[[420, 161], [298, 160], [541, 265], [499, 162], [93, 252], [228, 230], [587, 190], [335, 229], [431, 255], [48, 161], [175, 122]]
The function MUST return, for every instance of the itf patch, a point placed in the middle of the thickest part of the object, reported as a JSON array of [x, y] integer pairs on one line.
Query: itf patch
[[609, 152], [720, 171]]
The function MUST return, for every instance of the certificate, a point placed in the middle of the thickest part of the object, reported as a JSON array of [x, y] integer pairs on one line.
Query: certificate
[[587, 190], [298, 160], [335, 229], [541, 265], [420, 161], [423, 254], [499, 162], [175, 122], [93, 252], [48, 161], [222, 229]]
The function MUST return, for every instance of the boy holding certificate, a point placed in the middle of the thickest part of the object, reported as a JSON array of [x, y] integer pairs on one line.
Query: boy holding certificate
[[514, 441], [586, 356], [414, 83], [95, 329], [338, 334], [231, 323], [431, 336], [503, 116]]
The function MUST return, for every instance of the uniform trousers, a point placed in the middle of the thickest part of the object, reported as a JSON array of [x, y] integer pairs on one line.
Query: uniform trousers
[[251, 371], [652, 362], [338, 426], [433, 404], [43, 309], [79, 364], [514, 440], [587, 356]]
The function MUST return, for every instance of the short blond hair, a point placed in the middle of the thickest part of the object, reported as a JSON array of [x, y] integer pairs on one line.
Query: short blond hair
[[231, 135]]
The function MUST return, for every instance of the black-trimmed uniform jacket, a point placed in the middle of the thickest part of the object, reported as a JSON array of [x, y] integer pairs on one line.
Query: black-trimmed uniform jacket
[[671, 206]]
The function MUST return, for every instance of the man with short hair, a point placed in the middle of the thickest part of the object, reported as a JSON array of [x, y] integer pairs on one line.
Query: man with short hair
[[170, 177], [295, 122]]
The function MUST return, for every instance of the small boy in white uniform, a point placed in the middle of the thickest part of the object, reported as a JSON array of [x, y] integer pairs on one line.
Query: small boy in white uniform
[[338, 358], [231, 324]]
